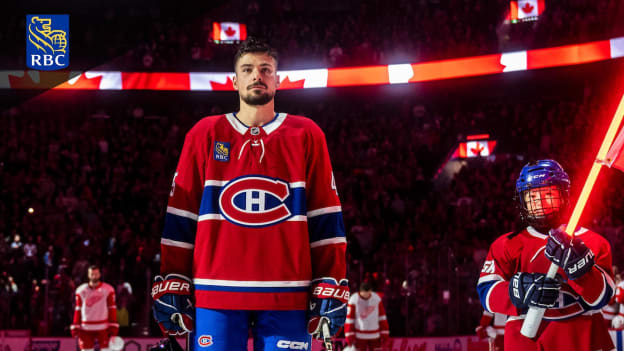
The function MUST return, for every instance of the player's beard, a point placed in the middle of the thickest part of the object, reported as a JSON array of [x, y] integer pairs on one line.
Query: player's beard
[[254, 99], [94, 281]]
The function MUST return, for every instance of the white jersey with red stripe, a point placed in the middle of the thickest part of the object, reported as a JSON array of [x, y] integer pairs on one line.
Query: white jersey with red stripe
[[366, 318], [95, 307], [253, 215]]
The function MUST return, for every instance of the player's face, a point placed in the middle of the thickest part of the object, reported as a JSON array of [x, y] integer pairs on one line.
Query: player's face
[[256, 78], [365, 294], [543, 201], [93, 275]]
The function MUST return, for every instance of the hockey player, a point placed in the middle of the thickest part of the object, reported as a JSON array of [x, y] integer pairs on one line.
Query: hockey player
[[492, 327], [366, 326], [610, 310], [95, 315], [513, 276], [253, 235]]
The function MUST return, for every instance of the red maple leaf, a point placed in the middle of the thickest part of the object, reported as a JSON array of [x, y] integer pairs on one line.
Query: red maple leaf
[[288, 84], [527, 8], [477, 150], [228, 85], [83, 83], [230, 31]]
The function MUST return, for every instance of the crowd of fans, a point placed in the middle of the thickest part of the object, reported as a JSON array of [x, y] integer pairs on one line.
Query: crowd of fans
[[89, 184], [318, 34]]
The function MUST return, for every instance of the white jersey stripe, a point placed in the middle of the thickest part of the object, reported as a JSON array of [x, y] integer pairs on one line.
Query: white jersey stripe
[[181, 213], [261, 284], [324, 210], [339, 240], [215, 182], [182, 244], [210, 216]]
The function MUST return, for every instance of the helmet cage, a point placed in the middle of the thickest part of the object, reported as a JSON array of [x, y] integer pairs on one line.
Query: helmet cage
[[541, 174]]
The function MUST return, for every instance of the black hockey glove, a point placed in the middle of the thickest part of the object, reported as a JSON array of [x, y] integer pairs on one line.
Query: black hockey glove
[[534, 290], [574, 257]]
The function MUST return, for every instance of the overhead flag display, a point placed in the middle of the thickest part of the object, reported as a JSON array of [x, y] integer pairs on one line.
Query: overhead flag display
[[525, 10], [228, 32], [475, 146]]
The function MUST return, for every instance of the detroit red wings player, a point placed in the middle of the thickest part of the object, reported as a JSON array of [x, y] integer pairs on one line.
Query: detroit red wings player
[[95, 316], [366, 326]]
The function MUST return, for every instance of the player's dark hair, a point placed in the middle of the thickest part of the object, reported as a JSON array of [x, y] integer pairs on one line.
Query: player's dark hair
[[254, 45], [94, 266], [365, 287]]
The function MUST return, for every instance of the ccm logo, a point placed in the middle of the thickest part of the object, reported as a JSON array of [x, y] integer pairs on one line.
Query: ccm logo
[[330, 292], [171, 286], [204, 340], [292, 345]]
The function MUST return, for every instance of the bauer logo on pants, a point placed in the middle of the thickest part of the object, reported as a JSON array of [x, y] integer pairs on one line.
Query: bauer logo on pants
[[47, 42]]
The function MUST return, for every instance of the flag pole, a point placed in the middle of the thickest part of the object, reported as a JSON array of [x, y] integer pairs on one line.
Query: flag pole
[[534, 316]]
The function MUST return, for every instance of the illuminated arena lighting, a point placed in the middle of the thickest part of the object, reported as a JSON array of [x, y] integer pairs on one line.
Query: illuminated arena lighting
[[325, 77]]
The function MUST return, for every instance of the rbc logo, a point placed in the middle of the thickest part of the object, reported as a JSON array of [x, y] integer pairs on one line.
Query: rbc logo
[[47, 42], [204, 340], [254, 201]]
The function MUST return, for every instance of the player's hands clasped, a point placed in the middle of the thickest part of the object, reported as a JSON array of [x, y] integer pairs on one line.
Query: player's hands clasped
[[575, 258], [328, 301], [534, 290], [173, 305]]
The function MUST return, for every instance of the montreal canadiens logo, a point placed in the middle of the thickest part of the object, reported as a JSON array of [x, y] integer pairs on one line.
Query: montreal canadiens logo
[[204, 340], [255, 201]]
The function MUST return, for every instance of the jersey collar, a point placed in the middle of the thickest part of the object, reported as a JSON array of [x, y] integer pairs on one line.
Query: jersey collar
[[268, 128]]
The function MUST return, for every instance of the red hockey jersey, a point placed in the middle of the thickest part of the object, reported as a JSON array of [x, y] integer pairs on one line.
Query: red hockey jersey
[[253, 215], [366, 318], [95, 307], [580, 301]]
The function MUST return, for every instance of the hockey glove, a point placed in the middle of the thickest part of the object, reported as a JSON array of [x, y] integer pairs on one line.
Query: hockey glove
[[328, 301], [173, 306], [534, 290], [574, 257], [75, 330]]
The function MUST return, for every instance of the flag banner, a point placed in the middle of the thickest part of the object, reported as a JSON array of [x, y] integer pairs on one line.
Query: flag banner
[[525, 10], [228, 32], [614, 156]]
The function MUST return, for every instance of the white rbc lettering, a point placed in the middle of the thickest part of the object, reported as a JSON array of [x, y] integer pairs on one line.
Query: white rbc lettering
[[35, 60], [47, 60], [57, 60]]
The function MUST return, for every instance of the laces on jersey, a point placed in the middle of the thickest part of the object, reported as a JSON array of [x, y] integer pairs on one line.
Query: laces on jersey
[[254, 142]]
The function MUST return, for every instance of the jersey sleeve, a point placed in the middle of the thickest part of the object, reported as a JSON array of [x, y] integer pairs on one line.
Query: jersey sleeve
[[349, 326], [77, 313], [493, 284], [324, 213], [596, 287], [178, 237], [384, 328], [486, 319], [112, 309]]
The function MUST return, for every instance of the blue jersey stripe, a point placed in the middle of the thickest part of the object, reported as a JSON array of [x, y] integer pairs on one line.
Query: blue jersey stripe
[[326, 226], [251, 289], [296, 201], [483, 289], [179, 228]]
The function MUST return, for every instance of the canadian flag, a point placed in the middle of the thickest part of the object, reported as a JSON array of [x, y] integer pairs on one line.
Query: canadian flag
[[521, 9], [474, 148], [229, 31], [615, 155]]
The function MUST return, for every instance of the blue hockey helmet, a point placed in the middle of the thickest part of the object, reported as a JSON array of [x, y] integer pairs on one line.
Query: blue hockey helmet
[[539, 174]]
